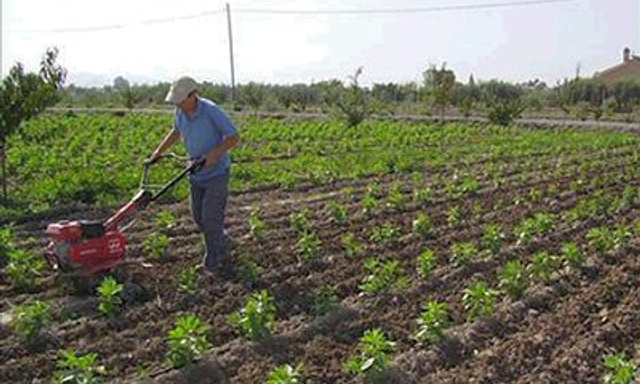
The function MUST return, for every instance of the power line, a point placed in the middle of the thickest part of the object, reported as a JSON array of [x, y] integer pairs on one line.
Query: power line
[[399, 10], [164, 20], [265, 11]]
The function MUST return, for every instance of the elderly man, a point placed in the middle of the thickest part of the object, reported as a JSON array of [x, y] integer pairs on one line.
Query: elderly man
[[207, 133]]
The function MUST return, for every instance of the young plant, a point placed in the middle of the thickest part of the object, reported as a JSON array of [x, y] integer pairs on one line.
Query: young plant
[[463, 253], [369, 203], [478, 300], [602, 240], [513, 279], [31, 320], [424, 196], [432, 323], [383, 276], [165, 221], [257, 226], [324, 300], [396, 198], [572, 255], [385, 234], [110, 292], [493, 238], [352, 246], [156, 246], [72, 368], [308, 247], [454, 216], [374, 358], [6, 244], [618, 370], [286, 374], [422, 225], [542, 266], [23, 268], [339, 213], [188, 280], [187, 341], [300, 221], [426, 264], [255, 320]]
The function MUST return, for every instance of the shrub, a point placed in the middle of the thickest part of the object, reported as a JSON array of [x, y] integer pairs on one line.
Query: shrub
[[110, 292], [72, 368], [432, 323], [374, 357], [255, 320], [426, 264], [23, 268], [187, 341], [31, 320]]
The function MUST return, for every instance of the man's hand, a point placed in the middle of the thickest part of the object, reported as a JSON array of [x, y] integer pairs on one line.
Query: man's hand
[[196, 164]]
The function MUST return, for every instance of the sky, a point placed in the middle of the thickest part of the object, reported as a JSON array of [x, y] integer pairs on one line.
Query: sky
[[286, 41]]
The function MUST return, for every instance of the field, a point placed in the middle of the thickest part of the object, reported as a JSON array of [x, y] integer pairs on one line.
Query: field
[[526, 239]]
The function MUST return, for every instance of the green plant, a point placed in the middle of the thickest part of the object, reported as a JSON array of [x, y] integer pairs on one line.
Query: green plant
[[78, 369], [385, 234], [300, 221], [454, 216], [618, 370], [374, 358], [396, 198], [187, 341], [257, 226], [542, 266], [110, 292], [6, 244], [352, 104], [432, 323], [422, 225], [493, 238], [324, 300], [352, 246], [424, 195], [572, 255], [286, 374], [188, 280], [426, 264], [308, 246], [504, 112], [463, 253], [165, 220], [156, 245], [383, 276], [369, 203], [30, 320], [255, 320], [339, 213], [478, 300], [513, 279], [23, 269]]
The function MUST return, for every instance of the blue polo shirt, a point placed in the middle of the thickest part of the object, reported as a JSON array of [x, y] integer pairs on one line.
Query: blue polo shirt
[[206, 129]]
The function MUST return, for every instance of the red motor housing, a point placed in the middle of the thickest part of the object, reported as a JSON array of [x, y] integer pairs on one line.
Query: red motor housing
[[84, 247]]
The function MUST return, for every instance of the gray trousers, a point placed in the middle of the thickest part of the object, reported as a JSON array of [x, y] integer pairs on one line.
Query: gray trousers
[[208, 203]]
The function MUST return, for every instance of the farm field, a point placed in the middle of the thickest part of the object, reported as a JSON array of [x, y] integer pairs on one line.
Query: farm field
[[523, 243]]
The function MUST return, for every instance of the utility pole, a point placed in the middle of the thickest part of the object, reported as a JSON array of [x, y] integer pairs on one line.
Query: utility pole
[[233, 74]]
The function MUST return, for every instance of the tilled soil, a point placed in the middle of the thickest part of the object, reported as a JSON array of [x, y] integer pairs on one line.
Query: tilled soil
[[558, 332]]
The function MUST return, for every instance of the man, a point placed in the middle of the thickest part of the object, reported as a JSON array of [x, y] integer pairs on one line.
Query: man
[[208, 134]]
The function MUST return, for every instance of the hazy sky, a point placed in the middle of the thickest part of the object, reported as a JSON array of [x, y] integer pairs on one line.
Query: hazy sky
[[157, 40]]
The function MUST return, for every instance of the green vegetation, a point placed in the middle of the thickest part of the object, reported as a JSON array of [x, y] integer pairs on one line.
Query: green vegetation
[[375, 348], [187, 341], [256, 319]]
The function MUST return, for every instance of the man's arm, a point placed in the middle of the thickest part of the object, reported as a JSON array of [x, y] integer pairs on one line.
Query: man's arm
[[169, 140], [217, 152]]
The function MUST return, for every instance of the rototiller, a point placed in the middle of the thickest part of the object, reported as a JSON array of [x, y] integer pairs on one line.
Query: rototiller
[[84, 248]]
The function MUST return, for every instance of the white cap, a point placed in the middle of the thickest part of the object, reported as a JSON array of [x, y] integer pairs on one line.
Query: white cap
[[180, 89]]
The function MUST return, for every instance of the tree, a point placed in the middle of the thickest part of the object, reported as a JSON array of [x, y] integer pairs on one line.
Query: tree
[[25, 95], [439, 84]]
